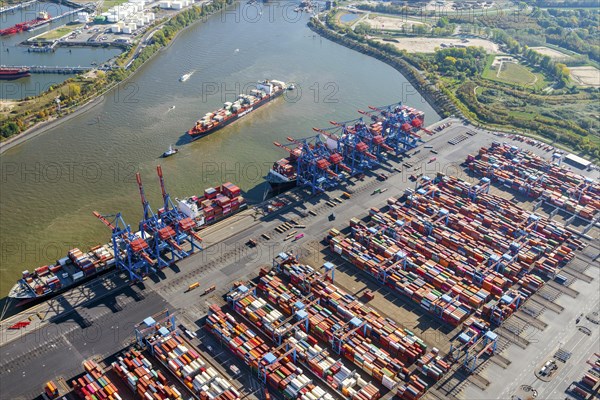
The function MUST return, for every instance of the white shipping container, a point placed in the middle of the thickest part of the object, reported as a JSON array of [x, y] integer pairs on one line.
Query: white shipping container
[[77, 275]]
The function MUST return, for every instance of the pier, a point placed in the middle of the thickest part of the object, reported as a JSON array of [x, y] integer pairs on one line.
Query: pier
[[43, 69], [16, 6]]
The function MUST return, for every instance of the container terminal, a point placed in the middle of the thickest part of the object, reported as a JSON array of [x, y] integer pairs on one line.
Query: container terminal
[[411, 279]]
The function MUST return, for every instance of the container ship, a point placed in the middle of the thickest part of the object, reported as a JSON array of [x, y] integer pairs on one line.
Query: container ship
[[7, 74], [42, 19], [78, 267], [283, 174], [265, 91]]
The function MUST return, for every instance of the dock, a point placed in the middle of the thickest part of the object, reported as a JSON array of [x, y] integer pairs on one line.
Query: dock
[[16, 6], [45, 69]]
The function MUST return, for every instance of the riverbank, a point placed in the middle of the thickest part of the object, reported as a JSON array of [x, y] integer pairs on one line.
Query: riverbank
[[43, 126], [414, 76]]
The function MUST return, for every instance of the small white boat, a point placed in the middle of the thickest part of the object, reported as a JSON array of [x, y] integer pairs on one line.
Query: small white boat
[[185, 77], [170, 152], [236, 50]]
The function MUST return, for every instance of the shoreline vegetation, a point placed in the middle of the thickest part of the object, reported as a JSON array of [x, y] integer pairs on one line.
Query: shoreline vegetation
[[24, 119], [455, 81]]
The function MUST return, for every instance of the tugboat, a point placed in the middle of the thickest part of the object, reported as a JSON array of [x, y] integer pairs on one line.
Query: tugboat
[[170, 152]]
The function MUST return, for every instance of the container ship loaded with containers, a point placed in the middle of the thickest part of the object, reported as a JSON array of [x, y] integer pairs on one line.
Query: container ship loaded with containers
[[246, 103], [78, 267]]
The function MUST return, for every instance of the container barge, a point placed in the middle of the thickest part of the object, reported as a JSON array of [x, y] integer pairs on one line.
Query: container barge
[[265, 92], [77, 267]]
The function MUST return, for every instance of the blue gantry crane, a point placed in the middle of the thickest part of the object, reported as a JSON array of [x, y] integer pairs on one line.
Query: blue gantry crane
[[131, 251], [355, 152], [399, 125], [312, 163], [161, 237], [371, 136], [170, 214]]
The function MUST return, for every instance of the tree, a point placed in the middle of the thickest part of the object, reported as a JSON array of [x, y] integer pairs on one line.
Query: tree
[[73, 90]]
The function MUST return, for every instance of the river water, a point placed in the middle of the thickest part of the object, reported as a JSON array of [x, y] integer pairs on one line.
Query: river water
[[11, 53], [51, 184]]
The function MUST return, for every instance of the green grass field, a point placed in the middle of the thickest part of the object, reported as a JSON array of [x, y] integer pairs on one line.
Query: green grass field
[[514, 74], [517, 74], [59, 32], [111, 3]]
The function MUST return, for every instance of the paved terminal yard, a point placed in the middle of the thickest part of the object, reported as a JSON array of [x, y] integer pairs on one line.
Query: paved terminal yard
[[98, 321]]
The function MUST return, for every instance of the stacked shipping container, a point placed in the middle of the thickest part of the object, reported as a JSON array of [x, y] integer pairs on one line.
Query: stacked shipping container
[[280, 373], [527, 173], [452, 255], [94, 385], [146, 381], [187, 364]]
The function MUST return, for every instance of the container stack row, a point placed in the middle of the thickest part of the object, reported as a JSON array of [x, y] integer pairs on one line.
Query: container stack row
[[328, 367], [453, 255], [143, 378], [187, 364], [528, 173], [589, 384], [399, 342], [327, 318], [433, 366], [277, 369], [94, 384], [317, 359], [220, 201]]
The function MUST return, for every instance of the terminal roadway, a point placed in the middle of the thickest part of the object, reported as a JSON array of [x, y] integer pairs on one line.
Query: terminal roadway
[[99, 321]]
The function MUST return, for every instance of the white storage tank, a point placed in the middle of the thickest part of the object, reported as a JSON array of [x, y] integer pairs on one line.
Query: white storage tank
[[152, 16], [126, 29], [177, 5], [112, 18], [164, 4], [83, 17], [115, 29]]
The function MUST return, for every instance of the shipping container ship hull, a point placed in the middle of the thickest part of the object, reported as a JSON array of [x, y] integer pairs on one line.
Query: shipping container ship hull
[[200, 131], [280, 183], [32, 301]]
